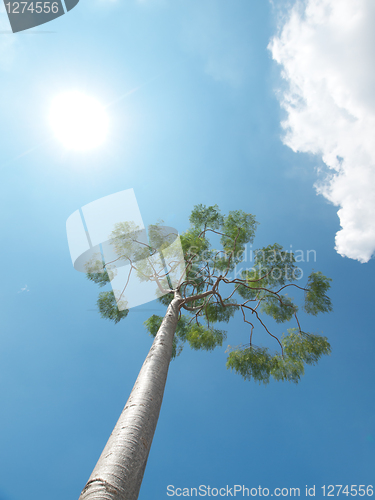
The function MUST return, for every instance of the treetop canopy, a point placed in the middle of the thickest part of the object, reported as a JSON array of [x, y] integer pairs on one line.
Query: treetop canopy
[[211, 291]]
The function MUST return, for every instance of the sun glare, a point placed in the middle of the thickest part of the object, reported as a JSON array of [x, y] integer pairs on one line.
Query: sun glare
[[79, 121]]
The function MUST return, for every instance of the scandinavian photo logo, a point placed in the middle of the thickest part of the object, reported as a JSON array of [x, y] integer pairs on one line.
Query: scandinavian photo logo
[[108, 241], [25, 15]]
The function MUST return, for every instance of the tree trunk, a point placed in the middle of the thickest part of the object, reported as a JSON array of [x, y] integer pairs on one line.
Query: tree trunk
[[120, 468]]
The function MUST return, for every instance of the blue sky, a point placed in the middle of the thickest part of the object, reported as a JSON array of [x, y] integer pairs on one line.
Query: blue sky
[[199, 112]]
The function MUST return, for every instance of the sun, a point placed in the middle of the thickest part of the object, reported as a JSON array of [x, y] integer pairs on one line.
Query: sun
[[79, 121]]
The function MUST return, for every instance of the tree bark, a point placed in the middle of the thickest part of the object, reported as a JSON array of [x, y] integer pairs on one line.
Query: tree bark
[[119, 472]]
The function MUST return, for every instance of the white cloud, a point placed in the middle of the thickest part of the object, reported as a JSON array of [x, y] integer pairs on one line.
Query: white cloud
[[24, 289], [327, 52]]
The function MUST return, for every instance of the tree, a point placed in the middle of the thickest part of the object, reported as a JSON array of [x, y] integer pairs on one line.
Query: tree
[[210, 291]]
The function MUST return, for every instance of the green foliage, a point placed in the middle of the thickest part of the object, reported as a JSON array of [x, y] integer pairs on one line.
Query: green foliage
[[96, 271], [305, 346], [152, 324], [250, 288], [100, 279], [286, 369], [202, 217], [183, 327], [124, 240], [216, 312], [159, 237], [236, 229], [299, 348], [281, 309], [194, 246], [316, 299], [108, 307], [166, 299], [275, 266], [258, 364], [197, 254], [239, 229], [253, 362], [200, 337]]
